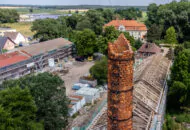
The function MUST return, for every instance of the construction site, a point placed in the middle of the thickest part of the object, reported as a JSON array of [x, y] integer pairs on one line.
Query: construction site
[[35, 58], [136, 100]]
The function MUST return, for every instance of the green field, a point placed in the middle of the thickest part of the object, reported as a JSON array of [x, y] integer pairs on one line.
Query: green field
[[21, 27]]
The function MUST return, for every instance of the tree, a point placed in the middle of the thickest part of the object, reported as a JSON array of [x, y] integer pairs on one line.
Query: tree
[[110, 33], [49, 94], [170, 36], [8, 16], [99, 71], [31, 10], [72, 21], [178, 94], [18, 110], [107, 15], [48, 29], [186, 45], [138, 44], [174, 14], [130, 13], [154, 33], [178, 49], [96, 20], [85, 42], [152, 14], [83, 23], [180, 81]]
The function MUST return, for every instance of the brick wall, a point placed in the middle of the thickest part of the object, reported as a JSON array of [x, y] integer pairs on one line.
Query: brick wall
[[120, 84]]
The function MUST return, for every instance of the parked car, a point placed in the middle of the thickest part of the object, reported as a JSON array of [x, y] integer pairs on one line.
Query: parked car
[[79, 58], [76, 87]]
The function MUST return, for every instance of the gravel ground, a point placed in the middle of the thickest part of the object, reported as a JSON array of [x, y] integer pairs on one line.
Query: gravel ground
[[76, 70]]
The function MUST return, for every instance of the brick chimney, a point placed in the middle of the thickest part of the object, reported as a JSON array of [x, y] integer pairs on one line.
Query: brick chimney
[[120, 84]]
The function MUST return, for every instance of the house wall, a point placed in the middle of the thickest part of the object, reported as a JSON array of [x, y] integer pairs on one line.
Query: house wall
[[72, 110], [75, 108], [20, 69], [9, 45], [138, 34], [20, 39], [144, 54]]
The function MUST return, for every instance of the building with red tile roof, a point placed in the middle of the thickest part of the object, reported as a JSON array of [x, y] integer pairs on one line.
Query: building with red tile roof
[[34, 58], [135, 29], [11, 58]]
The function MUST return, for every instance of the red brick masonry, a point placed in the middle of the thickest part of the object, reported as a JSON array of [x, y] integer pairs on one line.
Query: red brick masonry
[[120, 84]]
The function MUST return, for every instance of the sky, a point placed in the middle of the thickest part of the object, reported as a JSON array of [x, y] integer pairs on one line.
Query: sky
[[84, 2]]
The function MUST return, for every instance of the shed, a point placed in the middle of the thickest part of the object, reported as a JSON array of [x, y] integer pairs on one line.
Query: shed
[[90, 94], [77, 102]]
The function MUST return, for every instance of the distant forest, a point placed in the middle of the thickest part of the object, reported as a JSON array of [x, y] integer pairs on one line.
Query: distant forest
[[143, 8]]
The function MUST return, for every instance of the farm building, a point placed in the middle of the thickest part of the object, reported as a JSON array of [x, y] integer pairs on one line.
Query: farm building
[[36, 57], [77, 102], [90, 94]]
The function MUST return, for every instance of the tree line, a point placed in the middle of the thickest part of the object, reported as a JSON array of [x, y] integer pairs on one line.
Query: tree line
[[162, 17], [8, 16], [34, 102]]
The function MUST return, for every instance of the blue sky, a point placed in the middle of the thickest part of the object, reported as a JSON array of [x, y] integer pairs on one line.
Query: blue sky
[[87, 2]]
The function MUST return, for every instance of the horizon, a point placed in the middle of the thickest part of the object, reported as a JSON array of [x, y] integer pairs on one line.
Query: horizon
[[84, 2]]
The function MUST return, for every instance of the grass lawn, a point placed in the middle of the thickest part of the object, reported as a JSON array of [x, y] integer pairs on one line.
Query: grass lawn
[[23, 27]]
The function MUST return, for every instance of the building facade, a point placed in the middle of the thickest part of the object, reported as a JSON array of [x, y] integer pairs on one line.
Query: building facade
[[120, 84], [148, 49], [17, 37], [6, 44], [135, 29], [36, 58]]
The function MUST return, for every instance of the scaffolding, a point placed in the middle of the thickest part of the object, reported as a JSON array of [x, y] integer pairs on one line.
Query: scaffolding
[[39, 62]]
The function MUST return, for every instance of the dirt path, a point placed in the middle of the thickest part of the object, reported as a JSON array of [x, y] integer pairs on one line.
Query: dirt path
[[75, 72]]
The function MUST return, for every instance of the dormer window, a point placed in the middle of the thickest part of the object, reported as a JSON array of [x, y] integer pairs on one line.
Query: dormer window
[[122, 28]]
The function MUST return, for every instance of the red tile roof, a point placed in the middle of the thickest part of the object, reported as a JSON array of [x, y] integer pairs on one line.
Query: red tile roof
[[11, 58], [129, 25], [76, 97], [149, 47]]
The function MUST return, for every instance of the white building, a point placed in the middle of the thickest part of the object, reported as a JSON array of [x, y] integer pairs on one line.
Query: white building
[[77, 102], [90, 94], [135, 29], [16, 37]]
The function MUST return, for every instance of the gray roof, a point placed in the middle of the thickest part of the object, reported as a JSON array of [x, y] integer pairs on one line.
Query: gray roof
[[43, 47], [11, 35]]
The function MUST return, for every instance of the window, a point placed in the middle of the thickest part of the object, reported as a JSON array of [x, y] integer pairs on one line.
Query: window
[[122, 28]]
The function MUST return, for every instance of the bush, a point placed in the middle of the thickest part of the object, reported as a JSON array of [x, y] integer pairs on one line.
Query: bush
[[99, 71], [183, 118]]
